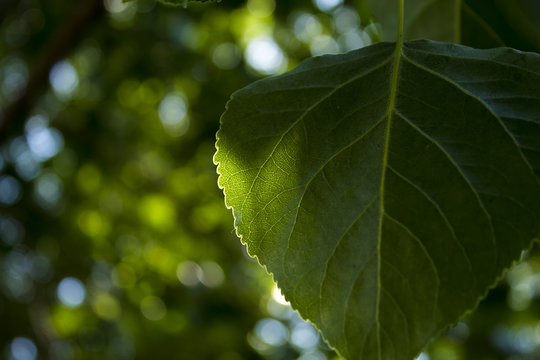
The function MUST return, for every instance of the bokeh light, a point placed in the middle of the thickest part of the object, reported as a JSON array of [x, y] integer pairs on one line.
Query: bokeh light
[[44, 142], [153, 308], [272, 332], [189, 273], [212, 274], [48, 190], [22, 348], [306, 26], [278, 296], [64, 79], [14, 76], [173, 114], [324, 44], [11, 231], [327, 5], [10, 190], [106, 306], [265, 56], [304, 336], [226, 56], [71, 292], [261, 8]]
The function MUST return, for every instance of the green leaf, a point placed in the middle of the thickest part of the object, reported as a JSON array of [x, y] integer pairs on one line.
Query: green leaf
[[476, 30], [424, 19], [387, 189], [477, 23], [488, 23]]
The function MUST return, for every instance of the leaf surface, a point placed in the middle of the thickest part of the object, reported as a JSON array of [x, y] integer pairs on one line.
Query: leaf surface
[[476, 23], [424, 19], [388, 188]]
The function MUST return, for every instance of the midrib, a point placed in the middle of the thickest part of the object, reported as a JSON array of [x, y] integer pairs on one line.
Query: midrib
[[389, 115]]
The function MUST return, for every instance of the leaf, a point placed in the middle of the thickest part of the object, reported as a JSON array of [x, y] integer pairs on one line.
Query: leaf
[[476, 31], [477, 23], [387, 189], [515, 23], [424, 19], [520, 23]]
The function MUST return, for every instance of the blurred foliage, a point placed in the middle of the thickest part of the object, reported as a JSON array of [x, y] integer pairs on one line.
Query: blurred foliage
[[115, 243]]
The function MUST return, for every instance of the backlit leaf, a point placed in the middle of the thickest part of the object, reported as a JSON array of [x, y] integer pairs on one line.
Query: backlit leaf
[[477, 23], [423, 19], [387, 189]]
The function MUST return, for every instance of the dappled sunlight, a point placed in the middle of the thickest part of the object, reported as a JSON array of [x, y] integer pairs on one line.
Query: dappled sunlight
[[278, 297]]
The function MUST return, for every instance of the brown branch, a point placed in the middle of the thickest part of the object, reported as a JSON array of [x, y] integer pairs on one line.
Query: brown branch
[[63, 39], [6, 6]]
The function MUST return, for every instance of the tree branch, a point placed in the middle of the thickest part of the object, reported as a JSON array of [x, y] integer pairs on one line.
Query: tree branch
[[61, 42]]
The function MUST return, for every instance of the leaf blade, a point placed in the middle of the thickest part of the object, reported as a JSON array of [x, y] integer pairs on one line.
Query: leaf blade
[[328, 177]]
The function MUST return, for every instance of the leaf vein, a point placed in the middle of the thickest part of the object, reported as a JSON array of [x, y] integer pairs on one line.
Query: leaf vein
[[424, 250], [457, 167], [302, 117], [324, 278], [441, 213]]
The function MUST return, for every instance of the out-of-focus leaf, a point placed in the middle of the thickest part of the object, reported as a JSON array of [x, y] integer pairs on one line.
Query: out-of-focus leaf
[[476, 23], [387, 189], [476, 31], [423, 19], [517, 22]]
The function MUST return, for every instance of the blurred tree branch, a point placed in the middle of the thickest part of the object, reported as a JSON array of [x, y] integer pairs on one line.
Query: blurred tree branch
[[5, 7], [62, 40]]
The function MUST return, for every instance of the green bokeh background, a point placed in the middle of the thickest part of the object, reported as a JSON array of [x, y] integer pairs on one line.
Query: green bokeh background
[[107, 130]]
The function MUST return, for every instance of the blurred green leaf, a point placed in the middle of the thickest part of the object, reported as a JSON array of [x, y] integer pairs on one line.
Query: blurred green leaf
[[387, 189], [424, 19], [515, 22], [476, 23]]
